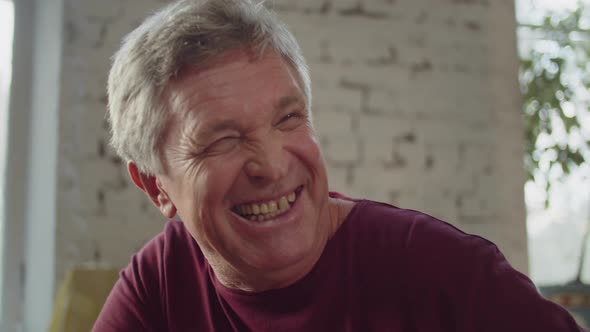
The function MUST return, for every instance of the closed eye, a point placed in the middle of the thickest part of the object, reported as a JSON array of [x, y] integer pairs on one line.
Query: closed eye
[[224, 144]]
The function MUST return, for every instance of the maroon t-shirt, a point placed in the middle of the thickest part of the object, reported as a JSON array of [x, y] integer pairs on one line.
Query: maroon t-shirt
[[385, 269]]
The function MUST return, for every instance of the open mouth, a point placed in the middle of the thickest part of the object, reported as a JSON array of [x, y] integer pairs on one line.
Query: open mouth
[[262, 211]]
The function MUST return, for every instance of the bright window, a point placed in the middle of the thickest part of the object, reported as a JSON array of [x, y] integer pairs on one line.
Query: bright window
[[556, 31]]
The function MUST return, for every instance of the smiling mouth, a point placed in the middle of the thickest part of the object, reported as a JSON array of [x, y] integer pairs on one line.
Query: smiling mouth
[[267, 210]]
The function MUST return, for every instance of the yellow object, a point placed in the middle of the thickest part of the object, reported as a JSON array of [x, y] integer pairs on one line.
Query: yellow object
[[81, 297]]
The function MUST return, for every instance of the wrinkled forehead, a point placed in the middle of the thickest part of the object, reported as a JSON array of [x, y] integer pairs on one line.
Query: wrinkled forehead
[[216, 77], [233, 81], [247, 60]]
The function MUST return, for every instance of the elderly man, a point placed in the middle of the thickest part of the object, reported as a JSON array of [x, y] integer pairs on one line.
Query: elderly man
[[209, 103]]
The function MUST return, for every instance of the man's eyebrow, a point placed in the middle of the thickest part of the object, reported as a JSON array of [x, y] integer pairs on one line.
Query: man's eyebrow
[[223, 125], [287, 101]]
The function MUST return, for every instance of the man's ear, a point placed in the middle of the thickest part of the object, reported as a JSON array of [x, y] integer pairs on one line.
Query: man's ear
[[152, 187]]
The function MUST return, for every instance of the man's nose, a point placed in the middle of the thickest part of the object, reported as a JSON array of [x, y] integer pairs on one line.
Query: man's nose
[[269, 162]]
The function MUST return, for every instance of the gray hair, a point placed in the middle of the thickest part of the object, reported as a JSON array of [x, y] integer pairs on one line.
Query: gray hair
[[185, 33]]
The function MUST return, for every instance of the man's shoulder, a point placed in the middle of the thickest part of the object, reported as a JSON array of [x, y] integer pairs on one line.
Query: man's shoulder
[[414, 227], [172, 248], [423, 250], [173, 234], [418, 240]]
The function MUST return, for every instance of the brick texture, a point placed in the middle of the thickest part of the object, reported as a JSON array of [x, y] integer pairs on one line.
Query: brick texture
[[416, 103]]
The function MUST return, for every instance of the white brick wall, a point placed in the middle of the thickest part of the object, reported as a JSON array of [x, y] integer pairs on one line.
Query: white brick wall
[[416, 103]]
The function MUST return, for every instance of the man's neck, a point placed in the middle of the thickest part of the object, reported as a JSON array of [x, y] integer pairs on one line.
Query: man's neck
[[255, 281]]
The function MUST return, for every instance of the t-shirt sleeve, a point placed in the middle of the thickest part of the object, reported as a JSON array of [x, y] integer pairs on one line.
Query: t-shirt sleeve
[[506, 300], [134, 302], [469, 279]]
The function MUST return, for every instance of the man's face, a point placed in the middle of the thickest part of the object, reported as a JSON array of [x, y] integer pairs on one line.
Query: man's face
[[244, 169]]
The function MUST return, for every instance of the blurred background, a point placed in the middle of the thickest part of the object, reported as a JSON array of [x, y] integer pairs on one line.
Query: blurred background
[[474, 111]]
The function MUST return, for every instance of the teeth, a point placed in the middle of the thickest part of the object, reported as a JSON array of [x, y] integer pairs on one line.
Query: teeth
[[255, 209], [283, 203], [272, 206], [267, 210], [291, 197]]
